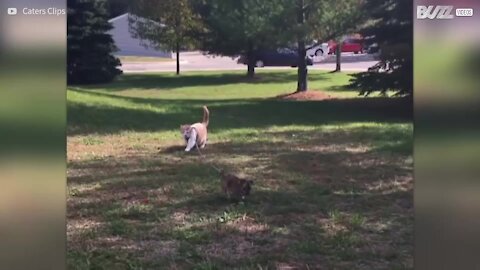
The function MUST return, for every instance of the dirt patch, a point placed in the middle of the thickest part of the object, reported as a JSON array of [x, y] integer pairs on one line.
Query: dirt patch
[[247, 225], [231, 248], [306, 95]]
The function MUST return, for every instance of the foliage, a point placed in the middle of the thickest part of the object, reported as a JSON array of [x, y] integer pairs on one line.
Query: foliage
[[343, 19], [89, 46], [241, 27], [390, 26], [165, 24], [310, 20], [117, 7], [342, 23], [323, 20]]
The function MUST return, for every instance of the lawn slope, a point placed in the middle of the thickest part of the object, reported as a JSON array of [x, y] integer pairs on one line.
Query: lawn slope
[[333, 178]]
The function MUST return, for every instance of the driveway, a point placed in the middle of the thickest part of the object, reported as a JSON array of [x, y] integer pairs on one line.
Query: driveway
[[196, 61]]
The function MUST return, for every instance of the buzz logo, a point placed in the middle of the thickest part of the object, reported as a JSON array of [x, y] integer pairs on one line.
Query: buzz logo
[[434, 12]]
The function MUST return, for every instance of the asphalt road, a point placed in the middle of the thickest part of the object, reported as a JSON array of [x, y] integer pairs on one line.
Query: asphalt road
[[196, 61]]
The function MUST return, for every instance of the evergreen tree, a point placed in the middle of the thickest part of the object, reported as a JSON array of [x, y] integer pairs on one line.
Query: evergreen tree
[[89, 46], [390, 26], [117, 7]]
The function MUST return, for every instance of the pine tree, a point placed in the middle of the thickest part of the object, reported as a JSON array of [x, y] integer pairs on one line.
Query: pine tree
[[117, 7], [390, 26], [89, 46]]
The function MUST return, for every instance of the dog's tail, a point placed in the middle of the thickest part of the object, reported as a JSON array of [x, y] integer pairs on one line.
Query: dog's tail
[[206, 116]]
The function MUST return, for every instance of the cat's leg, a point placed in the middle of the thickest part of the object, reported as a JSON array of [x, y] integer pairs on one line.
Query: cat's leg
[[192, 141], [204, 144]]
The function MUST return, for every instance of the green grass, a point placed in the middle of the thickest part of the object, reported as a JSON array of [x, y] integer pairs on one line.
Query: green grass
[[333, 178], [231, 85]]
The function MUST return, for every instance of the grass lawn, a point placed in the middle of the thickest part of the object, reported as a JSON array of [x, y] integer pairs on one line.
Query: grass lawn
[[333, 178]]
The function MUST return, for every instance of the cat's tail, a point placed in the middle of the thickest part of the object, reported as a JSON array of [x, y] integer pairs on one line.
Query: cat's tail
[[206, 116]]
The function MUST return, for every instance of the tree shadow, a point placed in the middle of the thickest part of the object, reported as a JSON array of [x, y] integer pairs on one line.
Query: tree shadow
[[165, 82], [341, 88], [316, 199], [227, 114]]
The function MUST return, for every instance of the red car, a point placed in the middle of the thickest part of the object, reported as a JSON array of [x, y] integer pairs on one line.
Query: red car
[[348, 45]]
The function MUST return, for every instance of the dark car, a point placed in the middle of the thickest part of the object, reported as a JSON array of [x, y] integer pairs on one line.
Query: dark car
[[373, 49], [279, 57]]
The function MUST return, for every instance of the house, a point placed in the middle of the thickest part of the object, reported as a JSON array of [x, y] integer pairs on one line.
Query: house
[[128, 45]]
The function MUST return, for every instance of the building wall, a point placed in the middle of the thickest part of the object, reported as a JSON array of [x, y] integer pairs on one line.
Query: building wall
[[126, 44]]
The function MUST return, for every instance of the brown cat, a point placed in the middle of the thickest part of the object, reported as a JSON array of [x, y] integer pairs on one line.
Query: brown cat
[[196, 134], [234, 187]]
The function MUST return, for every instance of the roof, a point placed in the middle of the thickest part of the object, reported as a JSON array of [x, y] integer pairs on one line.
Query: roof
[[137, 17], [118, 17]]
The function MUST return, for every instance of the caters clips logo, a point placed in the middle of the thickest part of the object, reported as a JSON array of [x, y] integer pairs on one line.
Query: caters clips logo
[[442, 12]]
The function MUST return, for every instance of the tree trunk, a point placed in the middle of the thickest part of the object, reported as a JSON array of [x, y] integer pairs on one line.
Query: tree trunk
[[177, 49], [302, 67], [338, 54], [302, 52], [251, 69], [250, 61]]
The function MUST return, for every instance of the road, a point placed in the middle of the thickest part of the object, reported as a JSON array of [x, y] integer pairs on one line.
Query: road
[[196, 61]]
